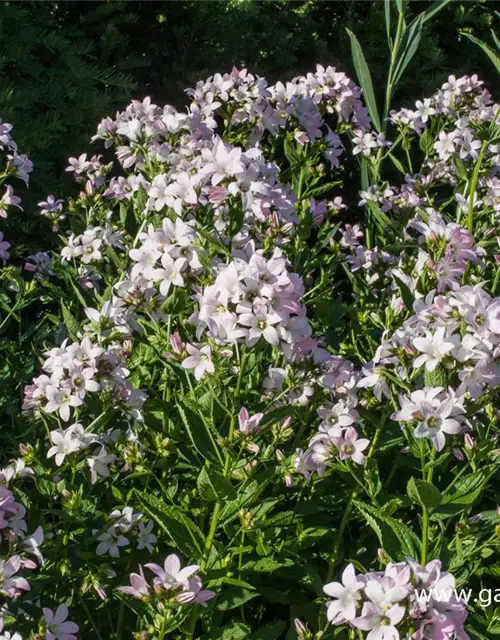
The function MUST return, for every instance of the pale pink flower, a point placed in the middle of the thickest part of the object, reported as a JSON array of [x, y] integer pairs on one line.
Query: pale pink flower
[[58, 626], [138, 588]]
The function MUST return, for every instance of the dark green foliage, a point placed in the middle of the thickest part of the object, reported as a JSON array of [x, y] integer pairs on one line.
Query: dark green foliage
[[64, 66]]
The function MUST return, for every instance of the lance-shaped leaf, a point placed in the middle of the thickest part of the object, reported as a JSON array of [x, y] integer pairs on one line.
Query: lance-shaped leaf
[[364, 78]]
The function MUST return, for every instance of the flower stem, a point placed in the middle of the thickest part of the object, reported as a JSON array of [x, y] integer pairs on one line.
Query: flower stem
[[347, 511], [473, 185]]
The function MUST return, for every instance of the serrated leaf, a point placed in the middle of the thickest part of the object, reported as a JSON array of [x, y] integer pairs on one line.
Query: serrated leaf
[[182, 531], [491, 53], [213, 486], [423, 493], [200, 435], [408, 543], [436, 378], [70, 321]]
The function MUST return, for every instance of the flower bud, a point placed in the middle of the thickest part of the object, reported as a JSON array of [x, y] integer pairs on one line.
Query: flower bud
[[303, 633], [177, 344], [469, 441]]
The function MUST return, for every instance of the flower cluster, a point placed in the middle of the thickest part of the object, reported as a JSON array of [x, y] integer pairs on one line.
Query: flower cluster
[[404, 601], [171, 584], [125, 522]]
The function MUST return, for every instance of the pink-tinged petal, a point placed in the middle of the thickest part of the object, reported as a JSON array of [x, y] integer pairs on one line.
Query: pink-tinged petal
[[48, 615], [334, 589], [172, 564], [362, 623], [204, 596], [61, 614], [186, 572], [362, 444], [190, 362], [157, 570]]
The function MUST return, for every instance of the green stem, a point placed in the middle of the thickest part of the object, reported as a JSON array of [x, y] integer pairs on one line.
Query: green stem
[[192, 624], [473, 185], [347, 511], [425, 510], [94, 626]]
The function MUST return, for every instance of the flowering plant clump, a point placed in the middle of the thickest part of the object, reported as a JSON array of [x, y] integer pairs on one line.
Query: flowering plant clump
[[261, 407]]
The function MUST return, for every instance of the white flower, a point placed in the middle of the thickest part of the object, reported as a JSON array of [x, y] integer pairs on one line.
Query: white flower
[[171, 273], [200, 360], [98, 464], [347, 595], [110, 542], [61, 400], [434, 348], [64, 443], [146, 539]]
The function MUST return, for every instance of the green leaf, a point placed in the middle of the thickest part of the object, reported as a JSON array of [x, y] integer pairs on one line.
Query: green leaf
[[387, 13], [434, 8], [397, 163], [423, 493], [235, 631], [234, 597], [271, 631], [183, 532], [411, 40], [213, 486], [426, 142], [364, 78], [70, 321], [406, 294], [491, 53], [200, 434], [463, 493], [436, 378], [395, 536]]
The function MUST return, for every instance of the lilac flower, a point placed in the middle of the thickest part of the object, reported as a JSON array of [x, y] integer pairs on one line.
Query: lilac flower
[[51, 205], [171, 576], [247, 424], [61, 400], [58, 627], [437, 414], [4, 246], [139, 588], [379, 622], [110, 542], [99, 464], [8, 200], [349, 447], [64, 444], [194, 594], [10, 585]]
